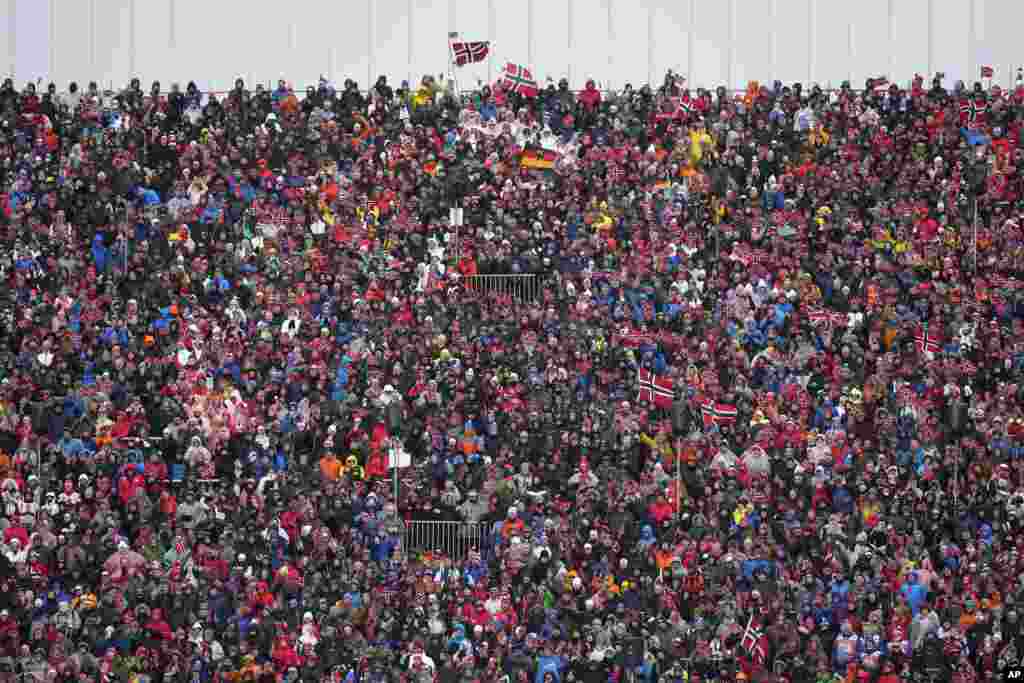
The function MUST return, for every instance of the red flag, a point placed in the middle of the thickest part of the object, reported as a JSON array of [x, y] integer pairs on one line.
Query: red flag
[[519, 79], [379, 433], [718, 413], [972, 113], [470, 53], [755, 644], [927, 341], [656, 390], [987, 71]]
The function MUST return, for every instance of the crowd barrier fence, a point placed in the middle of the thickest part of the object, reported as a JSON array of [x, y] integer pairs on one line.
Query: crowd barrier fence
[[522, 288], [452, 540]]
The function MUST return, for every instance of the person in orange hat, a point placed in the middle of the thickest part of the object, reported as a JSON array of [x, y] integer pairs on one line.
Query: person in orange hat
[[330, 467]]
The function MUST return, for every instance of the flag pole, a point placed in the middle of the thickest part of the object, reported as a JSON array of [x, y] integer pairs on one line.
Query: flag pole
[[394, 474], [451, 63], [490, 63]]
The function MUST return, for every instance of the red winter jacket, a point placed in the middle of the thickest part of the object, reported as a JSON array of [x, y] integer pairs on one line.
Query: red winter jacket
[[591, 96]]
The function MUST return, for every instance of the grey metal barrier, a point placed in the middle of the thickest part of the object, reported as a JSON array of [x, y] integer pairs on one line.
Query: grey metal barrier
[[449, 540], [524, 288]]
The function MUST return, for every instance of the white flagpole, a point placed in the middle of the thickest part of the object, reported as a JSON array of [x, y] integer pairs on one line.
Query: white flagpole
[[451, 64], [490, 63], [394, 473], [748, 632]]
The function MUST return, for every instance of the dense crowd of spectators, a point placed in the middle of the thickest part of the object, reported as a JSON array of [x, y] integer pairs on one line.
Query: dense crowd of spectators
[[755, 412]]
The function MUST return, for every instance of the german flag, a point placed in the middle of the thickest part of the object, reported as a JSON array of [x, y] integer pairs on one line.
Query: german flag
[[538, 159]]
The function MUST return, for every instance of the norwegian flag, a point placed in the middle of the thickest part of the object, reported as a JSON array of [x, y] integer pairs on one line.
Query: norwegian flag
[[470, 53], [927, 342], [973, 112], [655, 389], [718, 413], [520, 79], [755, 642]]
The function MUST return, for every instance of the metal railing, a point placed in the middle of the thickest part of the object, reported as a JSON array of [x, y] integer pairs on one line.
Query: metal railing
[[524, 288], [449, 540]]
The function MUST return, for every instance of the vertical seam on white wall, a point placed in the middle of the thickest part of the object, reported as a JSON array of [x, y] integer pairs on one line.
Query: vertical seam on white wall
[[891, 40], [371, 44], [12, 37], [690, 34], [571, 35], [172, 25], [812, 41], [851, 48], [131, 37], [92, 36], [650, 43], [931, 40], [491, 30], [972, 43], [773, 37], [731, 52], [409, 47], [529, 34], [611, 43], [52, 33], [453, 25]]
